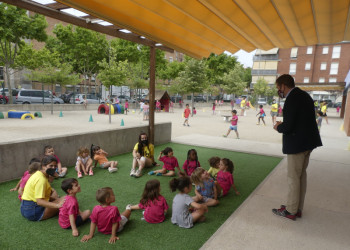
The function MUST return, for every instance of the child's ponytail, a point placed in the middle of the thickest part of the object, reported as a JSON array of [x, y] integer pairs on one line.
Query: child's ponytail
[[174, 184], [179, 183]]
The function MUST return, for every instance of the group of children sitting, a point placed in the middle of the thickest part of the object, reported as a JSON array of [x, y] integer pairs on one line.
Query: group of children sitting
[[186, 210]]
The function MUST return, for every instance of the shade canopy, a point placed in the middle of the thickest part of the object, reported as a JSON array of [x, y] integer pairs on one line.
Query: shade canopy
[[201, 27]]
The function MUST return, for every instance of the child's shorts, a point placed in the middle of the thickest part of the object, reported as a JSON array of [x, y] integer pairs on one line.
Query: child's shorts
[[122, 223], [79, 221], [31, 210], [103, 165], [233, 127]]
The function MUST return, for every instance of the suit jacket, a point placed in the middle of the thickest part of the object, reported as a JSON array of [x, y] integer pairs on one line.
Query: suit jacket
[[299, 128]]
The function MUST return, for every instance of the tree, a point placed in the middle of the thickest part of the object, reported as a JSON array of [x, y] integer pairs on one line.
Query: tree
[[232, 82], [113, 73], [218, 65], [15, 26], [193, 78], [261, 87], [161, 62], [80, 47]]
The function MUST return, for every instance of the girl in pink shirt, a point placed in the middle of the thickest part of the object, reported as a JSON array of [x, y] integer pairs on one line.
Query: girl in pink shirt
[[225, 178], [261, 115], [191, 163], [35, 166], [106, 217], [154, 205], [170, 163]]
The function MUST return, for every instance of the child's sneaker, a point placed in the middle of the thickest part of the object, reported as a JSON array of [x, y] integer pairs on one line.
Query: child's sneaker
[[80, 175], [258, 124], [284, 213], [159, 174], [112, 170], [91, 173], [138, 173], [151, 173], [133, 172], [128, 207]]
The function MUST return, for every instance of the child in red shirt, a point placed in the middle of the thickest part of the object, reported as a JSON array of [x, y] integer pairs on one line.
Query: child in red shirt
[[187, 113], [170, 163]]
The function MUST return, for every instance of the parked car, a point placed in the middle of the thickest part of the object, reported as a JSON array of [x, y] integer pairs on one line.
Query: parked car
[[79, 99], [66, 97], [123, 98], [29, 96], [337, 104], [199, 98], [262, 101]]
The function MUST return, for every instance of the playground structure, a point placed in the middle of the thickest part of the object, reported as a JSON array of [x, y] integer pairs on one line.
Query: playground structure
[[21, 115], [116, 108]]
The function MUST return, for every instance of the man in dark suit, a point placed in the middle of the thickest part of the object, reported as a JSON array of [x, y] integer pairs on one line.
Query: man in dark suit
[[300, 137]]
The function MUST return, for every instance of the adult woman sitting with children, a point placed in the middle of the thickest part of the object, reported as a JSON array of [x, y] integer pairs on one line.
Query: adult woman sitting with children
[[143, 156], [39, 200]]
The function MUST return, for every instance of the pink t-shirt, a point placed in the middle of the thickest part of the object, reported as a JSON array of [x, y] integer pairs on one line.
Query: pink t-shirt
[[187, 112], [154, 210], [126, 105], [190, 166], [170, 163], [262, 111], [105, 217], [145, 107], [234, 120], [225, 180], [70, 206], [158, 104], [23, 182]]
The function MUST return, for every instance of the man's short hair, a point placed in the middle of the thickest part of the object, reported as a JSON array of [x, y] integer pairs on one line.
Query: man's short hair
[[287, 80]]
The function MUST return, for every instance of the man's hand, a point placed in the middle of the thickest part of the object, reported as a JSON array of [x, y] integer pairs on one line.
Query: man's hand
[[276, 125]]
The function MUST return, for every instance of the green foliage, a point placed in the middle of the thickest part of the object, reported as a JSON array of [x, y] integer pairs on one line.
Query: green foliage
[[125, 50], [113, 73], [193, 78], [172, 70], [261, 87], [232, 82], [161, 62], [33, 59], [218, 65]]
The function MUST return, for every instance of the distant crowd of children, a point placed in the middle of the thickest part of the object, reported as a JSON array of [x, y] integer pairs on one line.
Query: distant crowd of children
[[39, 201]]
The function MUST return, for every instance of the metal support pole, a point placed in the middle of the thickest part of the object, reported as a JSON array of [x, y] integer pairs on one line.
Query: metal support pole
[[152, 84]]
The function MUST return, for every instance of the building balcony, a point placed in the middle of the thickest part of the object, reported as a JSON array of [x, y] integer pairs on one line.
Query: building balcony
[[266, 72]]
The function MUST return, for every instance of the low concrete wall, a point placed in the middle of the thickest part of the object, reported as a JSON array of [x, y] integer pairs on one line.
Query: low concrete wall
[[14, 157]]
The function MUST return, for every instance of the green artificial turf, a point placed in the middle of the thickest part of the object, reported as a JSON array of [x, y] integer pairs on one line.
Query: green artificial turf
[[19, 233]]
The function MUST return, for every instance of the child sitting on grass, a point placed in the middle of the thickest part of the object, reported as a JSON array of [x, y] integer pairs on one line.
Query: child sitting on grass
[[107, 218], [214, 163], [191, 163], [170, 163], [22, 182], [206, 192], [84, 162], [153, 203], [225, 177], [100, 157], [61, 171], [70, 217], [181, 215]]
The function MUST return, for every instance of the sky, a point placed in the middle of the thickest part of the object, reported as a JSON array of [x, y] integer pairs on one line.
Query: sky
[[244, 57]]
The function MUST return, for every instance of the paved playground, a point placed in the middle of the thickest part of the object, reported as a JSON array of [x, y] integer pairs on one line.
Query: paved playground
[[325, 222]]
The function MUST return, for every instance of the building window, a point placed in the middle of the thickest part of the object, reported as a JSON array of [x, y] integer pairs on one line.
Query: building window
[[294, 52], [292, 68], [336, 52], [334, 68], [171, 59], [306, 80], [332, 79], [309, 50], [308, 66], [321, 80], [323, 66], [325, 50]]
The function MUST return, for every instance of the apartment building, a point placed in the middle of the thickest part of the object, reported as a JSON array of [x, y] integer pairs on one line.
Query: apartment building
[[265, 65]]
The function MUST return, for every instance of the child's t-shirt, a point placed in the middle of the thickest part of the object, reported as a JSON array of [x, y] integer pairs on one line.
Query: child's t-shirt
[[213, 172], [234, 120], [70, 206], [181, 216], [154, 210], [170, 163], [23, 182], [83, 160], [105, 217], [145, 107], [187, 112], [262, 112], [126, 105], [190, 166], [101, 159], [208, 188], [225, 180]]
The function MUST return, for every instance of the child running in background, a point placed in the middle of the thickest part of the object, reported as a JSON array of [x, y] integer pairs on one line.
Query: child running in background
[[194, 111], [105, 217], [126, 106], [84, 162], [16, 188], [187, 113], [170, 163], [261, 115], [213, 107], [145, 108], [100, 157], [191, 163], [225, 177], [61, 171], [206, 192], [233, 126], [181, 214], [214, 163], [319, 120], [70, 217], [153, 203]]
